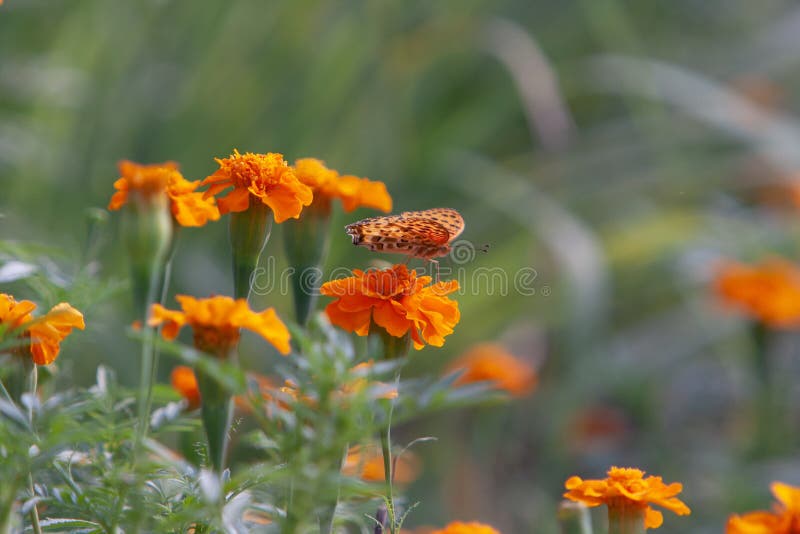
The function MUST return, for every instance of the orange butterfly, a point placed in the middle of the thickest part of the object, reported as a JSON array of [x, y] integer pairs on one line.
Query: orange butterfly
[[418, 234]]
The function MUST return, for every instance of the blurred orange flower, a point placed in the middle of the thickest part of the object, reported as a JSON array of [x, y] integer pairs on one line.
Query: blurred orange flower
[[457, 527], [185, 382], [360, 381], [46, 332], [784, 518], [627, 487], [265, 178], [598, 429], [216, 322], [366, 463], [490, 362], [768, 292], [189, 208], [395, 299], [353, 191]]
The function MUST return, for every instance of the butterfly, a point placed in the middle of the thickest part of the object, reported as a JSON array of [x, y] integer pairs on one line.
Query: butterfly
[[424, 234]]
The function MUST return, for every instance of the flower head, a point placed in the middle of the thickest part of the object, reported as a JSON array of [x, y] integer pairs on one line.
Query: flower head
[[189, 208], [490, 362], [458, 527], [353, 191], [265, 178], [395, 299], [627, 487], [783, 519], [768, 292], [216, 322], [366, 463], [184, 382], [46, 332]]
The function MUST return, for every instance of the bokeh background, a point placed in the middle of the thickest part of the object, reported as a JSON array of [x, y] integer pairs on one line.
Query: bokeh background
[[610, 152]]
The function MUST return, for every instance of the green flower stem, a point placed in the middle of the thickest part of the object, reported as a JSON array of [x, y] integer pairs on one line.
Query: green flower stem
[[147, 229], [769, 421], [5, 509], [327, 517], [573, 518], [148, 233], [626, 518], [392, 348], [217, 413], [33, 379], [388, 472], [306, 243], [249, 232]]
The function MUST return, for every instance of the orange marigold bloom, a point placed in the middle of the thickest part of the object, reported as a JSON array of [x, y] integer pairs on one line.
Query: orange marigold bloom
[[395, 299], [768, 292], [266, 178], [351, 190], [185, 382], [627, 487], [458, 527], [216, 322], [490, 362], [366, 463], [46, 332], [784, 518], [189, 208]]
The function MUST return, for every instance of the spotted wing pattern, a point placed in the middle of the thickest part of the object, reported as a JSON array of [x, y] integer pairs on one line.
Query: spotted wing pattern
[[423, 234]]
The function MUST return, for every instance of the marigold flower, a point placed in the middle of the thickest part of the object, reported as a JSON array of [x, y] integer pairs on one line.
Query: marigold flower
[[768, 292], [353, 191], [266, 178], [46, 332], [216, 322], [395, 299], [366, 463], [783, 519], [490, 362], [189, 208], [184, 382], [627, 487], [458, 527]]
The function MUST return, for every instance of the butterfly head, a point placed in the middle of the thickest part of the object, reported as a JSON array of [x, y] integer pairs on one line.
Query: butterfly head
[[354, 231]]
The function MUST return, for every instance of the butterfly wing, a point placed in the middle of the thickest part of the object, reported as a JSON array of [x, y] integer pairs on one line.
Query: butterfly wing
[[448, 218]]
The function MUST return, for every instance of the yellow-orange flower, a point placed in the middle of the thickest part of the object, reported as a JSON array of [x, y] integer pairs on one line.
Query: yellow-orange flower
[[353, 191], [216, 321], [185, 382], [458, 527], [395, 299], [265, 178], [768, 292], [189, 208], [784, 518], [491, 362], [627, 487], [366, 463], [46, 332]]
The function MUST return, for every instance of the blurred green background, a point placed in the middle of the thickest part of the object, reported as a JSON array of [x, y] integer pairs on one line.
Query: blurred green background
[[608, 151]]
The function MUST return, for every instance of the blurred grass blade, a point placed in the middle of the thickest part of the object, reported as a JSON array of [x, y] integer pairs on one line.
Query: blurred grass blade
[[775, 136], [536, 81]]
